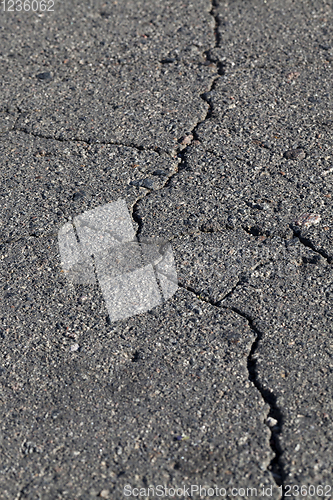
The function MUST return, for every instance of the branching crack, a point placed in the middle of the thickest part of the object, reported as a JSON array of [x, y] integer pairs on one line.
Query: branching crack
[[276, 465], [197, 294]]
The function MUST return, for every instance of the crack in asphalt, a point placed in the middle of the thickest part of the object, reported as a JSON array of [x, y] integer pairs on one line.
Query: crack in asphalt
[[254, 231], [89, 143], [275, 467], [16, 128], [200, 297], [181, 153], [307, 243]]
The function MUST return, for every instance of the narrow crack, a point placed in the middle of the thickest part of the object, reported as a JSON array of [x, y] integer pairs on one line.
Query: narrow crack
[[215, 5], [274, 419], [307, 243], [16, 128], [197, 294], [10, 241], [90, 143], [208, 300], [181, 153], [256, 231], [275, 416], [239, 282]]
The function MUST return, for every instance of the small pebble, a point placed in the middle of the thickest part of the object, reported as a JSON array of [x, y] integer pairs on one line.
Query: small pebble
[[40, 153], [168, 60], [160, 173], [307, 220], [46, 77], [293, 75], [294, 154], [186, 140], [271, 422], [79, 195], [74, 347], [314, 99], [147, 183], [183, 437], [104, 493]]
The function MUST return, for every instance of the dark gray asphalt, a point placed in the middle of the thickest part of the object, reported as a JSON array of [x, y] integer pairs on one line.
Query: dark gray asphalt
[[214, 123]]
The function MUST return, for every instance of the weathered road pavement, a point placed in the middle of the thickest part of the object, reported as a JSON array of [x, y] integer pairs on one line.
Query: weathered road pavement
[[187, 111]]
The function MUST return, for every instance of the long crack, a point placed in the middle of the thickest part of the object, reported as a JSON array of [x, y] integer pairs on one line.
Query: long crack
[[275, 467], [16, 128], [181, 155]]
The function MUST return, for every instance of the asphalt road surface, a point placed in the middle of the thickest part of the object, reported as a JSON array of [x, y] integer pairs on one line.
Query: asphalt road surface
[[214, 123]]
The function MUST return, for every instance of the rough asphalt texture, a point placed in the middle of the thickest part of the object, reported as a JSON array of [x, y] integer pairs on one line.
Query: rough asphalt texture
[[214, 123]]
